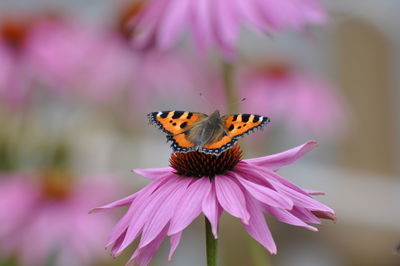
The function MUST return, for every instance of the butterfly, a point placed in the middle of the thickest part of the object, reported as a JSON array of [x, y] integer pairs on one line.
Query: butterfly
[[213, 134]]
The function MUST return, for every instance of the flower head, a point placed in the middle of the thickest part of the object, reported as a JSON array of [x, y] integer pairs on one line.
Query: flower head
[[161, 23], [47, 217], [244, 188], [80, 61]]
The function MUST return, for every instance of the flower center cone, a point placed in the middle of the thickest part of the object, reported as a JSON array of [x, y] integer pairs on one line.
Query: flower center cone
[[198, 164]]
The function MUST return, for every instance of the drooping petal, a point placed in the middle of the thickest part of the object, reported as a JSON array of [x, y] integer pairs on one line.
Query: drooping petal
[[147, 23], [300, 199], [146, 205], [325, 215], [286, 217], [202, 23], [211, 209], [174, 240], [142, 256], [267, 175], [231, 197], [153, 173], [277, 161], [117, 244], [141, 196], [264, 194], [258, 227], [118, 203], [173, 23], [249, 13], [161, 216], [226, 23], [305, 215], [191, 203]]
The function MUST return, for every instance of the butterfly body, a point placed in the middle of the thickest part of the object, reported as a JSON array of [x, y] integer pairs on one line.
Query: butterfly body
[[213, 134], [208, 130]]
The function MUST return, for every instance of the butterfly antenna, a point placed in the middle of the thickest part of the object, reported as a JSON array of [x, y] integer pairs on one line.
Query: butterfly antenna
[[237, 103]]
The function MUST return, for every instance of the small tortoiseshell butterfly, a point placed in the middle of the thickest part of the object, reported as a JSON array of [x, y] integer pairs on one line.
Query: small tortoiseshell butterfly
[[212, 134]]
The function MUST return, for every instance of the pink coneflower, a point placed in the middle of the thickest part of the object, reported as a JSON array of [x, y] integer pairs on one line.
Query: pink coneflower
[[303, 102], [44, 217], [161, 23], [80, 61], [199, 183]]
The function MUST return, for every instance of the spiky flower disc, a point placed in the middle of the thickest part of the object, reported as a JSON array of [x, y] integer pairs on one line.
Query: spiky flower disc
[[198, 164]]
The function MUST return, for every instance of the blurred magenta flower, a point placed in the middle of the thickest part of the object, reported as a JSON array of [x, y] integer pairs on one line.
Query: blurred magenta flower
[[81, 61], [302, 101], [43, 219], [244, 188], [217, 23]]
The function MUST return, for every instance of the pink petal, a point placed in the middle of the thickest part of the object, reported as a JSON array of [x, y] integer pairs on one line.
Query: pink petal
[[118, 243], [226, 28], [190, 205], [264, 194], [161, 216], [201, 22], [300, 199], [267, 175], [226, 22], [258, 227], [173, 22], [175, 239], [119, 203], [145, 206], [231, 197], [305, 215], [249, 13], [211, 209], [153, 173], [147, 24], [286, 217], [314, 192], [277, 161], [142, 195], [325, 215], [142, 256]]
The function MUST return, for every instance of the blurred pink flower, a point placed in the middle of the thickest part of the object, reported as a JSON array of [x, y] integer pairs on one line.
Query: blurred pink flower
[[78, 60], [246, 189], [43, 220], [304, 102], [161, 23]]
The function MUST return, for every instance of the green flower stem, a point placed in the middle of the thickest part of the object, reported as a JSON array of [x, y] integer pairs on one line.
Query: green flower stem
[[228, 74], [211, 245]]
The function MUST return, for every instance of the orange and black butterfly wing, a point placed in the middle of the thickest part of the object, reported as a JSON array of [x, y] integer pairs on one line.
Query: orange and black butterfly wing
[[174, 123], [235, 126], [216, 148], [239, 124]]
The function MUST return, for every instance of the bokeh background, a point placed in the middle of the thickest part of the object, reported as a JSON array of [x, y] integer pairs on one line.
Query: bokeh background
[[74, 96]]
